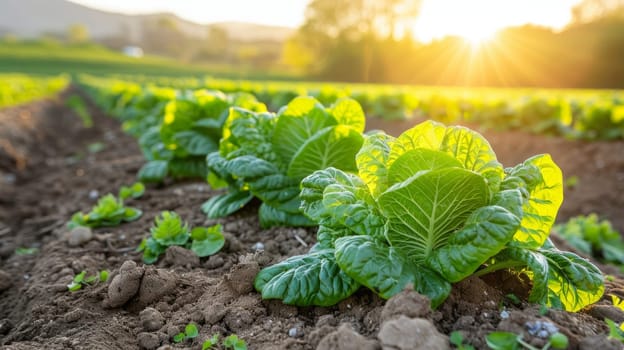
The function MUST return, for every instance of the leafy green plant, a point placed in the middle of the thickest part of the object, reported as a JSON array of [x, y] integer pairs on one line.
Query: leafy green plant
[[190, 129], [457, 339], [210, 342], [26, 251], [110, 211], [230, 342], [170, 230], [512, 341], [266, 156], [615, 331], [81, 280], [190, 332], [430, 208], [594, 237], [77, 104]]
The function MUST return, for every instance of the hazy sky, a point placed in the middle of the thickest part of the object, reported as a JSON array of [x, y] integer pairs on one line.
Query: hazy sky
[[471, 18]]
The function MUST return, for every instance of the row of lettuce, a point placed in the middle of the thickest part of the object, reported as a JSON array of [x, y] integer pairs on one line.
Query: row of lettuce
[[428, 208], [575, 114], [16, 89]]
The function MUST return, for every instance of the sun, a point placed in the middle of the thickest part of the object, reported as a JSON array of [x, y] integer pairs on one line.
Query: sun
[[478, 36]]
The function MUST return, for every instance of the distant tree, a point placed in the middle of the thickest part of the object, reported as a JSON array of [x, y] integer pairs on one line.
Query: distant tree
[[342, 35], [77, 33]]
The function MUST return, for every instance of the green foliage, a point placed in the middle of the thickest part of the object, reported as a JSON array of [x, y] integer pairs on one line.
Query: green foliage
[[110, 211], [265, 155], [17, 88], [230, 342], [233, 342], [512, 341], [594, 237], [170, 230], [190, 332], [457, 339], [80, 280], [615, 332], [26, 251], [76, 103], [430, 208]]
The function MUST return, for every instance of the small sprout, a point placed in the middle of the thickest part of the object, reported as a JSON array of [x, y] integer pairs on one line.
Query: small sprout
[[559, 341], [170, 230], [109, 211], [609, 278], [212, 341], [512, 341], [457, 339], [95, 147], [513, 298], [615, 332], [571, 182], [81, 280], [26, 251], [234, 342], [136, 190], [190, 332]]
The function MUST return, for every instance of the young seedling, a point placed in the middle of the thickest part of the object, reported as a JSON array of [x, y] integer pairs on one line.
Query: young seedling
[[615, 332], [170, 230], [210, 342], [26, 251], [513, 341], [190, 332], [81, 280], [109, 210], [457, 339], [232, 341]]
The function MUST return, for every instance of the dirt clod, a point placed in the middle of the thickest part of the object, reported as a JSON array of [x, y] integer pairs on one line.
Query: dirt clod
[[405, 333], [345, 338], [148, 341], [125, 285], [241, 277], [607, 311], [409, 303], [155, 284], [74, 315], [151, 319], [5, 281], [179, 256], [79, 235]]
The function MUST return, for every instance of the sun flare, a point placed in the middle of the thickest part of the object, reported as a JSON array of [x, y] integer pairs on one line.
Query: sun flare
[[478, 36]]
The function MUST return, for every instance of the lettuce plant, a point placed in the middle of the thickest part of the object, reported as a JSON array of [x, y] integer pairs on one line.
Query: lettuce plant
[[189, 129], [110, 210], [266, 156], [170, 230], [593, 236], [430, 208]]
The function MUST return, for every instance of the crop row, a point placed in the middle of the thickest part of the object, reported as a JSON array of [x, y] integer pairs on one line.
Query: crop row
[[17, 88], [576, 114], [428, 208]]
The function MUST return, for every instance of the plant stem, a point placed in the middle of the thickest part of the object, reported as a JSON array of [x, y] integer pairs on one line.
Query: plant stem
[[498, 266]]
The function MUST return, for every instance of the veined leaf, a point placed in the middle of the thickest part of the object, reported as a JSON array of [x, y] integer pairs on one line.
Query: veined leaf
[[154, 171], [348, 112], [226, 204], [371, 162], [544, 184], [485, 233], [304, 280], [426, 209], [298, 121], [333, 147], [195, 143], [419, 159], [380, 268]]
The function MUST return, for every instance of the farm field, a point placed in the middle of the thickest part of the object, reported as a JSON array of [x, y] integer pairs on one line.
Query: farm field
[[58, 164]]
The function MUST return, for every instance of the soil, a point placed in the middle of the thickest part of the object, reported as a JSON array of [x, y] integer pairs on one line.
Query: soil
[[47, 173]]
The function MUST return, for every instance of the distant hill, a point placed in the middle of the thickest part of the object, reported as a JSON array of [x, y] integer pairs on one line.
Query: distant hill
[[31, 18]]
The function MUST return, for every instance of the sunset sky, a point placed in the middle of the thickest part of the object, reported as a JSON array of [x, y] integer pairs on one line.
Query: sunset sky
[[474, 19]]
